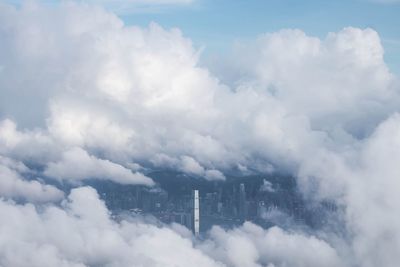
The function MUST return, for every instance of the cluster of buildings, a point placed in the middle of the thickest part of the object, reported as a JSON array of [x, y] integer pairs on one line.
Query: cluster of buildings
[[199, 204], [225, 205]]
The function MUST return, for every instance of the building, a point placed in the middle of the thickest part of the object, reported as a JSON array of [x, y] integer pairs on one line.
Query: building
[[196, 213], [242, 209]]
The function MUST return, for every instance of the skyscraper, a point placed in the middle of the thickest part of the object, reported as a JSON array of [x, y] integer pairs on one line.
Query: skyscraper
[[242, 203], [196, 213]]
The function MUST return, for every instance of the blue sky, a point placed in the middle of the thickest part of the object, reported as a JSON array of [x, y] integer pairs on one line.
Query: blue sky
[[216, 24]]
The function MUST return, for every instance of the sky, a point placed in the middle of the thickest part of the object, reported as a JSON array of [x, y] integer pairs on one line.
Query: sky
[[97, 92], [216, 25]]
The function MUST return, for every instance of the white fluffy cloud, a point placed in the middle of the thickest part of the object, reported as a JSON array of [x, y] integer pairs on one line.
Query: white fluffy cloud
[[138, 94], [375, 185], [13, 185], [129, 93], [365, 180], [77, 164], [99, 96], [81, 233], [251, 245], [36, 145], [314, 77]]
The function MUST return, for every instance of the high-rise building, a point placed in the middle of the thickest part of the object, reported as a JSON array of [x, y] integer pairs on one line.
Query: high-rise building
[[242, 209], [261, 209], [196, 213]]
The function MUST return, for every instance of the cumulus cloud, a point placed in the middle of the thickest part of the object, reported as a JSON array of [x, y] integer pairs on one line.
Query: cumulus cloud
[[14, 186], [77, 164], [377, 179], [137, 98], [81, 233], [364, 180], [99, 96], [35, 145], [314, 77], [251, 245], [191, 166]]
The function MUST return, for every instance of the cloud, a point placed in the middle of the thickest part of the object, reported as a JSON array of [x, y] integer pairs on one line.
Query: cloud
[[267, 186], [81, 233], [377, 179], [14, 186], [364, 176], [29, 146], [191, 166], [117, 97], [89, 97], [77, 164], [250, 245]]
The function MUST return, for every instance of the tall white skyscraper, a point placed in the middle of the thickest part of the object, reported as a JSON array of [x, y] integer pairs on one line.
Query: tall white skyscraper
[[196, 213]]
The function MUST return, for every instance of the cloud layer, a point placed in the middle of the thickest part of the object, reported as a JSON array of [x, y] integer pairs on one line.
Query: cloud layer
[[84, 96], [78, 164], [81, 233], [13, 185]]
